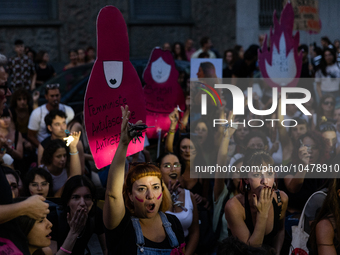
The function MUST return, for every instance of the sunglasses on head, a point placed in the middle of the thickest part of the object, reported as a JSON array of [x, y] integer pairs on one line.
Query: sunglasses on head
[[328, 103], [52, 86]]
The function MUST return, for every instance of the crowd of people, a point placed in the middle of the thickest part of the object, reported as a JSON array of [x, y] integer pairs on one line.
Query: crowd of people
[[52, 202]]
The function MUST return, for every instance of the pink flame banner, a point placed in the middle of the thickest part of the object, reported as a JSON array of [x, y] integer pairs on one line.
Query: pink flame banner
[[281, 64]]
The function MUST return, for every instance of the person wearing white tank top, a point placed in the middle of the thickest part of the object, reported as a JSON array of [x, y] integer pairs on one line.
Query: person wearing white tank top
[[184, 204]]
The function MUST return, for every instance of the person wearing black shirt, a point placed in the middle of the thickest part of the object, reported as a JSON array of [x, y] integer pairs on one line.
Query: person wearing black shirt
[[33, 207]]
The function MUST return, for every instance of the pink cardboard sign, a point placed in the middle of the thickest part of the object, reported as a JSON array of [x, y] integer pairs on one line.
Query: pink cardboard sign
[[281, 64], [113, 83], [162, 91]]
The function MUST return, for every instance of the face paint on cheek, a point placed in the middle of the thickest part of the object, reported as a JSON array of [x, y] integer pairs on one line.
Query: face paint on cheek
[[159, 196], [139, 200]]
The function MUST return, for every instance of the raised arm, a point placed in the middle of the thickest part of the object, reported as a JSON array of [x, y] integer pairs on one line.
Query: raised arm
[[114, 208], [75, 166], [169, 141], [222, 158], [294, 183]]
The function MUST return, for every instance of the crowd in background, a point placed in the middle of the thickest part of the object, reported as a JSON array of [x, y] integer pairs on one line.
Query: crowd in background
[[45, 155]]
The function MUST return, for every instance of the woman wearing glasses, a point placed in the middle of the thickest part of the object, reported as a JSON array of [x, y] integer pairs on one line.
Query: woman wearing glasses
[[134, 210], [183, 201], [38, 182]]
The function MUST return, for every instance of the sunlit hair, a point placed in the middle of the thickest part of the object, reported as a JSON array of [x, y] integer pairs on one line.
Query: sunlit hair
[[139, 171], [51, 148], [255, 157]]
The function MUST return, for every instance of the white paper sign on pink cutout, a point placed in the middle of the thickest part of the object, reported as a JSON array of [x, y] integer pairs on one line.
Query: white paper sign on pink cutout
[[113, 83], [162, 91], [282, 64]]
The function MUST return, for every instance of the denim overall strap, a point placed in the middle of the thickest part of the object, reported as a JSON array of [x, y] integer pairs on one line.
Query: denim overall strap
[[167, 225], [139, 234]]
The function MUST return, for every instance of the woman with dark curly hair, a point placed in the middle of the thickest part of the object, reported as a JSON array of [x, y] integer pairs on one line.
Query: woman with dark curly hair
[[21, 109], [61, 161]]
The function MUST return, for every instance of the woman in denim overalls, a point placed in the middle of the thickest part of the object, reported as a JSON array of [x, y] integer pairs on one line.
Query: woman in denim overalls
[[135, 219]]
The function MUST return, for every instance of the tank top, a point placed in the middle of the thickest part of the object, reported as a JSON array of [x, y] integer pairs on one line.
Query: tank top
[[268, 239], [185, 217]]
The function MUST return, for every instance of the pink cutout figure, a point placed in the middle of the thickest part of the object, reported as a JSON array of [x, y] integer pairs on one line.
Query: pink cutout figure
[[162, 91], [113, 83], [281, 66]]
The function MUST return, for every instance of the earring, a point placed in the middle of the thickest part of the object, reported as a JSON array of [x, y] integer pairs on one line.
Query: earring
[[247, 187], [274, 185]]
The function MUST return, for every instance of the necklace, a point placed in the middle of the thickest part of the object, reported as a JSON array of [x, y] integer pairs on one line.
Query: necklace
[[175, 202]]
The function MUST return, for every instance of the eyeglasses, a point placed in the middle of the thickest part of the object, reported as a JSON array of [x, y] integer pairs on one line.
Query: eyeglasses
[[328, 103], [176, 165], [53, 86], [36, 184]]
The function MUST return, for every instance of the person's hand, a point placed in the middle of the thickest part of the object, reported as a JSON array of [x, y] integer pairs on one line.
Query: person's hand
[[304, 155], [78, 221], [173, 187], [264, 202], [28, 145], [174, 117], [198, 198], [125, 137], [274, 148], [230, 130], [36, 208], [36, 95], [72, 140], [187, 102]]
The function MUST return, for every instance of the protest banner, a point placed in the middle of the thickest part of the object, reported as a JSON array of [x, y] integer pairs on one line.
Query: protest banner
[[281, 63], [162, 91], [306, 15], [113, 83]]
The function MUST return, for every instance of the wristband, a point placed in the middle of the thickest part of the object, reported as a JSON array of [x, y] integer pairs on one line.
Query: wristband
[[66, 251], [75, 153]]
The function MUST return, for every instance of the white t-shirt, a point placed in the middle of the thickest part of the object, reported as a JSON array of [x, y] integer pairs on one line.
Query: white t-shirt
[[37, 120], [330, 82], [58, 180]]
